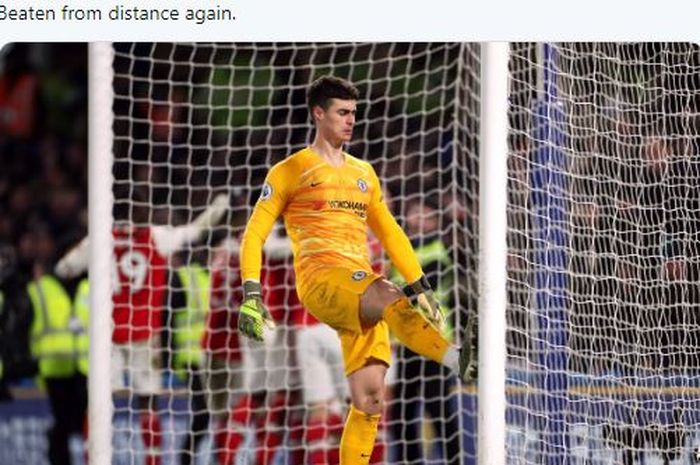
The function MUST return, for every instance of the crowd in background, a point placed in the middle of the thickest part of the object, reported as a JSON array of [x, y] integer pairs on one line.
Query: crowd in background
[[43, 149]]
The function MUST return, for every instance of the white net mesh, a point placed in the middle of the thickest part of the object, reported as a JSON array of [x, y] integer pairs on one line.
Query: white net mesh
[[603, 237], [194, 121], [602, 241]]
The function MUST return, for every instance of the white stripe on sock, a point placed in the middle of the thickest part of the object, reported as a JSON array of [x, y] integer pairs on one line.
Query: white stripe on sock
[[451, 359]]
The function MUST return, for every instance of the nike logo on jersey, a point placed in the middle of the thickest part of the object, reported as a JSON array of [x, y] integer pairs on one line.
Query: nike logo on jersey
[[314, 184]]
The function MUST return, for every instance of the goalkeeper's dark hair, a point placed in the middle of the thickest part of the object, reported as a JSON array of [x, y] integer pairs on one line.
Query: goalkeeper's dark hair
[[325, 88]]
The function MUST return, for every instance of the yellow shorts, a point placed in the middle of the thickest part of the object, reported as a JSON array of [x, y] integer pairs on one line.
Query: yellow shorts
[[332, 295]]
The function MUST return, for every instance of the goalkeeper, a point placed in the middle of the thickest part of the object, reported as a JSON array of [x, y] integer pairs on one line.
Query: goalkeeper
[[328, 198]]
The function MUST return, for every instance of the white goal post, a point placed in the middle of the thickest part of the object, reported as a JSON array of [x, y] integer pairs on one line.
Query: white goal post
[[493, 177], [100, 142]]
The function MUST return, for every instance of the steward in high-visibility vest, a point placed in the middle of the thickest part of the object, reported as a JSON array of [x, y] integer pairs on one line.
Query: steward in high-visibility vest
[[190, 304], [190, 321], [58, 335], [59, 341]]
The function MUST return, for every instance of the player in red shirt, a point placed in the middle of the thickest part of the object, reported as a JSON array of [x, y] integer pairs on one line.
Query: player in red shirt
[[141, 267], [223, 378], [251, 379]]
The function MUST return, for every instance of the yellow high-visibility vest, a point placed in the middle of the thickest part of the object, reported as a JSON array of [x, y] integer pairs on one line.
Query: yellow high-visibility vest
[[190, 322], [81, 307], [56, 333]]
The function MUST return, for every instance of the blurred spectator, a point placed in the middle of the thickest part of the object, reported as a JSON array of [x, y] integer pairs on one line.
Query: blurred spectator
[[19, 86], [670, 203], [422, 385], [188, 304], [224, 368], [59, 342], [15, 320]]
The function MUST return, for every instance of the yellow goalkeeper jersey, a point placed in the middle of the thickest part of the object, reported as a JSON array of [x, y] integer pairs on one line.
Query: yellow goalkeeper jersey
[[326, 212]]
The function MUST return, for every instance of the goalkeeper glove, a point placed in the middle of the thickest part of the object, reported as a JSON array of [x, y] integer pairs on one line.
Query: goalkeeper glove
[[253, 313], [421, 294]]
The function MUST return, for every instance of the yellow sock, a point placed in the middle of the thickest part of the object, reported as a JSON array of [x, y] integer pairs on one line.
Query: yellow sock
[[414, 331], [359, 433]]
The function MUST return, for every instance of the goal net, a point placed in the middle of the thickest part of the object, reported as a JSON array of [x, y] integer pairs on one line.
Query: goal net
[[193, 121], [603, 271], [603, 244]]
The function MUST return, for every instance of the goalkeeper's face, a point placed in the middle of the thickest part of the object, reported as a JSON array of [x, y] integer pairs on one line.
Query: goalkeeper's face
[[337, 121]]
